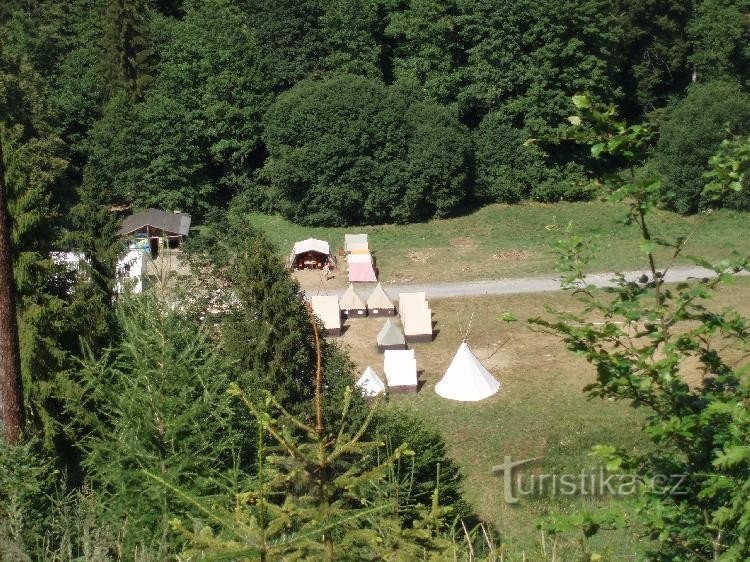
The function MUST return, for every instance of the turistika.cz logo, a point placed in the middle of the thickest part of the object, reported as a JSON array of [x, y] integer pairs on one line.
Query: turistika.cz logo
[[592, 481]]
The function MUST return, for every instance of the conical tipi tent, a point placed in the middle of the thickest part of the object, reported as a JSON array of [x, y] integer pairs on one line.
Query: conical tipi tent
[[466, 379], [370, 383]]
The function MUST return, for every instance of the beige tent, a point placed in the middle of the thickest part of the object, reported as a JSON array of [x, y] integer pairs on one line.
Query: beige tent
[[416, 317], [466, 378], [352, 241], [400, 368], [379, 303], [408, 300], [352, 305], [359, 257], [326, 308], [418, 325], [357, 248], [370, 383]]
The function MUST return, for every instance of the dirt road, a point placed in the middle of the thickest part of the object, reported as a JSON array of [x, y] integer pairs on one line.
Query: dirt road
[[514, 286]]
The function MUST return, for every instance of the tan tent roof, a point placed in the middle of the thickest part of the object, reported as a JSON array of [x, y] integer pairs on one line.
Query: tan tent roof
[[351, 300], [327, 309], [379, 298], [406, 301], [400, 367], [359, 258], [417, 319], [363, 248], [351, 239]]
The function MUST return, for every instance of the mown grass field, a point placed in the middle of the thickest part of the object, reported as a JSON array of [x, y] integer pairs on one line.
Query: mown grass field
[[540, 411], [515, 240]]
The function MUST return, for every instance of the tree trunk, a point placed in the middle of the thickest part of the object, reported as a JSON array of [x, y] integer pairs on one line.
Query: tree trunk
[[11, 393]]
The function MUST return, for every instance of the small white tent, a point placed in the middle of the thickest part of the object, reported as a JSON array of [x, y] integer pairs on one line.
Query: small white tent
[[466, 378], [370, 383], [400, 368]]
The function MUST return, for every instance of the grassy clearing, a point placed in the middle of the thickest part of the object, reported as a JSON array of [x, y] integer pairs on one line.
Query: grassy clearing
[[509, 241], [541, 410]]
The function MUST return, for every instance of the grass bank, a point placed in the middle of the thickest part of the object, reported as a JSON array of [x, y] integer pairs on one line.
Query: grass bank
[[515, 240]]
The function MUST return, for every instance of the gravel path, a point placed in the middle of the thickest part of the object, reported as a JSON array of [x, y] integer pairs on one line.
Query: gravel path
[[515, 286]]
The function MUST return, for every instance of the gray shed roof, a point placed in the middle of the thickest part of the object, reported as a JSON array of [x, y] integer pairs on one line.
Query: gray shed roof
[[174, 223], [390, 334]]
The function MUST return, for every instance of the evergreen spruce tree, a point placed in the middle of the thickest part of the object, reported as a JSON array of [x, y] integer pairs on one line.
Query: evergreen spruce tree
[[318, 494], [264, 326], [127, 62], [157, 401]]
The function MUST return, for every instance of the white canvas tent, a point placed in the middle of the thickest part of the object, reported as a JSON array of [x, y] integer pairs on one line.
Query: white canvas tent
[[379, 303], [400, 368], [418, 324], [326, 308], [467, 379], [370, 383], [416, 317], [352, 305]]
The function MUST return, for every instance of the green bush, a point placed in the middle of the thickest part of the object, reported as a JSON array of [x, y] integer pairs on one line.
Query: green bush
[[350, 150], [507, 170], [691, 134], [396, 426], [158, 401]]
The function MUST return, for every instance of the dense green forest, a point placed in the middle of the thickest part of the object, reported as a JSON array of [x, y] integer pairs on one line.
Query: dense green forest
[[333, 113], [365, 112]]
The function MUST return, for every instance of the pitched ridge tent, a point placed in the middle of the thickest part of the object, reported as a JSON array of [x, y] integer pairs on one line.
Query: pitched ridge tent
[[351, 240], [390, 337], [467, 379], [326, 308], [416, 317], [370, 383], [379, 303], [351, 304], [400, 368], [311, 254]]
